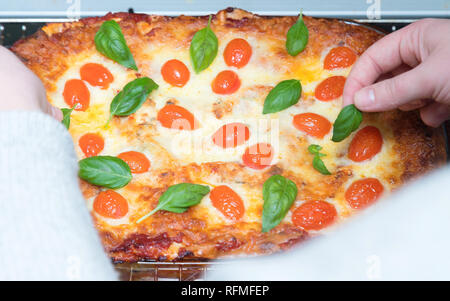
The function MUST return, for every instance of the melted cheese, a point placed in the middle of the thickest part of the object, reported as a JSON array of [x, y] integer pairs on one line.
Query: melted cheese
[[171, 148]]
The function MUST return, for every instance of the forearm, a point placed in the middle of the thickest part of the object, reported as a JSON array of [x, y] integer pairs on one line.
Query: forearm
[[46, 230]]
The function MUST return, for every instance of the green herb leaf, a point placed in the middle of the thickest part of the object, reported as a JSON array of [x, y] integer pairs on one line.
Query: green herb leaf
[[66, 116], [347, 121], [178, 198], [314, 149], [106, 171], [204, 47], [131, 98], [317, 161], [297, 37], [279, 194], [110, 42], [282, 96], [319, 165]]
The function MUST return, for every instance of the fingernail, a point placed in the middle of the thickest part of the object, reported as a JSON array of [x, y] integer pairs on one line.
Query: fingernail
[[364, 98]]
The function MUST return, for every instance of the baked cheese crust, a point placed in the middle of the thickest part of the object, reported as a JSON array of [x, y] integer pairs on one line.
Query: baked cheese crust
[[58, 51]]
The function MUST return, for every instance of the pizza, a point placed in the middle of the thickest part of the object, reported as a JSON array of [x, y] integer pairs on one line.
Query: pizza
[[208, 137]]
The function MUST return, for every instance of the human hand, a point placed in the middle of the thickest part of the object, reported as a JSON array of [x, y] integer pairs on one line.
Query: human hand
[[408, 69], [21, 89]]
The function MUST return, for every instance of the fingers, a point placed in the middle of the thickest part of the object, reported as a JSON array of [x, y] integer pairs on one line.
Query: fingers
[[387, 54], [415, 104], [44, 105], [435, 114], [400, 69], [397, 91], [352, 85]]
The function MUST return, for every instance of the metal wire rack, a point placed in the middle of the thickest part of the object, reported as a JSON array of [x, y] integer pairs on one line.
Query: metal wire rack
[[168, 271]]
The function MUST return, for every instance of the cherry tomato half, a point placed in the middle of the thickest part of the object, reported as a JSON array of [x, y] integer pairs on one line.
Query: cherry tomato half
[[91, 144], [237, 53], [231, 135], [175, 73], [96, 75], [110, 204], [366, 144], [76, 94], [363, 193], [226, 82], [176, 117], [137, 161], [258, 156], [228, 202], [331, 88], [339, 57], [312, 124], [314, 215]]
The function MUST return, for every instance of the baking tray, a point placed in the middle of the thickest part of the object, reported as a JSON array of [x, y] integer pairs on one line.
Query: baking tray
[[186, 270]]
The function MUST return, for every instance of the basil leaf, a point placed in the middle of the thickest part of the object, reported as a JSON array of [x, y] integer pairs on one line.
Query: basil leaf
[[204, 47], [314, 149], [106, 171], [319, 165], [282, 96], [110, 42], [347, 121], [279, 194], [178, 198], [66, 116], [317, 161], [131, 98], [297, 37]]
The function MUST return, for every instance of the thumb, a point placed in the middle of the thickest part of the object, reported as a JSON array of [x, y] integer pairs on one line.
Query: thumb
[[54, 112], [435, 114], [396, 91], [47, 107], [57, 113]]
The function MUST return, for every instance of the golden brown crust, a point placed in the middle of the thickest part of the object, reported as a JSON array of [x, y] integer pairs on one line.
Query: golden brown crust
[[59, 40], [421, 148], [49, 53]]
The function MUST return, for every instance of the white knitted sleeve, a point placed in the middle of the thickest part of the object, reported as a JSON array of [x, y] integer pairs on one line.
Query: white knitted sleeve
[[46, 232]]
